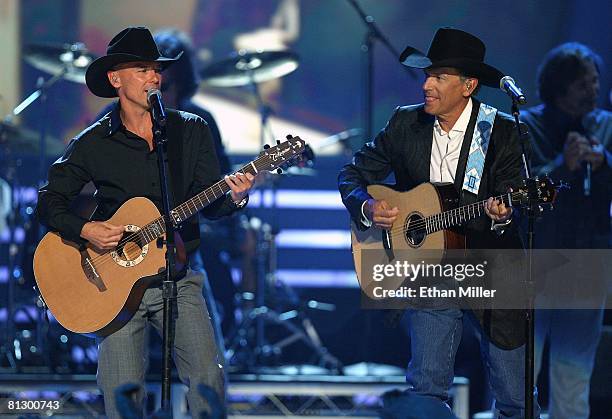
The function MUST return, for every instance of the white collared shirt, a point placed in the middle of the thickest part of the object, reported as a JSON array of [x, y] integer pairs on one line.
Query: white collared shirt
[[446, 147]]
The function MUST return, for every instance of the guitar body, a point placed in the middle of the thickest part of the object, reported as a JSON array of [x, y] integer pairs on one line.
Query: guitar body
[[382, 245], [97, 293], [98, 305]]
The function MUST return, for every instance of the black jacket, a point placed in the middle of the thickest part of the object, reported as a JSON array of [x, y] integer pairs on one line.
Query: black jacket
[[403, 148]]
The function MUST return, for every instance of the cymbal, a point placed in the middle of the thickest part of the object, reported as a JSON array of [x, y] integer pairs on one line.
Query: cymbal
[[24, 141], [341, 137], [243, 68], [56, 58]]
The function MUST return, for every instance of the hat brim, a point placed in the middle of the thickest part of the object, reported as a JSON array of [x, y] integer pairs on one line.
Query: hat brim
[[485, 73], [97, 80]]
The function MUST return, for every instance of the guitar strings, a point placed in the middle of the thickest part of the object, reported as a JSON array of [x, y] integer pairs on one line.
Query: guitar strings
[[126, 239], [394, 232], [184, 207], [422, 224], [139, 235]]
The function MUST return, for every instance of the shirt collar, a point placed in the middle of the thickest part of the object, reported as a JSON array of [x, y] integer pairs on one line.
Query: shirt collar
[[462, 122], [114, 120]]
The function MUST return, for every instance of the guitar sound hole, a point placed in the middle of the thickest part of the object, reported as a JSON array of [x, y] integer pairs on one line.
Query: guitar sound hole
[[414, 229], [131, 250]]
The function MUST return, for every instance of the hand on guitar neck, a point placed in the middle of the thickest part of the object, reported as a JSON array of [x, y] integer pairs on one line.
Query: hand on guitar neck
[[240, 184], [102, 235], [497, 210], [380, 213]]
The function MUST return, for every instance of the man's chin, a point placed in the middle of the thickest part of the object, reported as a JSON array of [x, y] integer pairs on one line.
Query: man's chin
[[429, 109]]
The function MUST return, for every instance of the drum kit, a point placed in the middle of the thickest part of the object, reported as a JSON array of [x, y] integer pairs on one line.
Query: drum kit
[[69, 62]]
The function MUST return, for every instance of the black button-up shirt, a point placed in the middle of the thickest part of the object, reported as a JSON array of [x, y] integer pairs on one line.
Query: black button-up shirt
[[578, 221], [121, 166]]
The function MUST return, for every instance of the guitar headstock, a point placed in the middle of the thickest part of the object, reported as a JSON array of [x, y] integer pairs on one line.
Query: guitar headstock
[[545, 191], [280, 156]]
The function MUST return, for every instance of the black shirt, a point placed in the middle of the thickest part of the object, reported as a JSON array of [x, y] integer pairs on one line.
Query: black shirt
[[578, 221], [188, 105], [121, 166]]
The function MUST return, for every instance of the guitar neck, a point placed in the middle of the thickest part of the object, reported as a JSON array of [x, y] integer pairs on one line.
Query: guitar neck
[[271, 159], [189, 208], [460, 215]]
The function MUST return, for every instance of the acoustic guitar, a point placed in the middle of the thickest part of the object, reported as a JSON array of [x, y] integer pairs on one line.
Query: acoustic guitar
[[96, 292], [424, 225]]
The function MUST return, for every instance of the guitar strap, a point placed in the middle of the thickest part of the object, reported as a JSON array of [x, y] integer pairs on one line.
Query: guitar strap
[[175, 152], [478, 148]]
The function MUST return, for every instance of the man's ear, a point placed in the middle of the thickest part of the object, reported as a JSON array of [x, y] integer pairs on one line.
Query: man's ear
[[470, 86], [113, 79]]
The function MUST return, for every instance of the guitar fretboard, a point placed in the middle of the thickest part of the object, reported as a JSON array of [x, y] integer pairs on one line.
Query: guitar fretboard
[[456, 216], [157, 228]]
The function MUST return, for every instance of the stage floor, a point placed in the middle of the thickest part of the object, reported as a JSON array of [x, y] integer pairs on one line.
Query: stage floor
[[254, 395]]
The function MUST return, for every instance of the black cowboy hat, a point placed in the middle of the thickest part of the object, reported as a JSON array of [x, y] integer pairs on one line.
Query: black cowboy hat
[[457, 49], [131, 44]]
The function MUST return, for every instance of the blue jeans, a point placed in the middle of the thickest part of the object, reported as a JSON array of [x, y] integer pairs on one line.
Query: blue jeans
[[434, 339], [123, 355], [573, 336]]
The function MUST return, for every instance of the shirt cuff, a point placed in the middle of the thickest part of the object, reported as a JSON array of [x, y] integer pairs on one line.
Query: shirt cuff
[[499, 228], [364, 220], [242, 203], [72, 227]]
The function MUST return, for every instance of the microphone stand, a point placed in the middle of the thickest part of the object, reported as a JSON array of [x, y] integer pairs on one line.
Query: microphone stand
[[533, 211], [169, 292], [367, 47]]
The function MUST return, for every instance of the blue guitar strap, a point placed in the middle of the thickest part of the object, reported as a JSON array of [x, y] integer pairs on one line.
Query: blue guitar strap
[[478, 148]]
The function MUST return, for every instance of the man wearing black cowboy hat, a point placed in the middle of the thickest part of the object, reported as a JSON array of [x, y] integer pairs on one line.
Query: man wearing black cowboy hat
[[117, 154], [434, 142]]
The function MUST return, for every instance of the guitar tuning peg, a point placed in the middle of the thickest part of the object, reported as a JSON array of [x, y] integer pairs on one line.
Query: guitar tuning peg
[[278, 142], [266, 146], [289, 136], [279, 171]]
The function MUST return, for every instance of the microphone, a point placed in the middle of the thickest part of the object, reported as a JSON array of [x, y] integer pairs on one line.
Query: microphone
[[158, 112], [587, 124], [508, 85], [587, 179]]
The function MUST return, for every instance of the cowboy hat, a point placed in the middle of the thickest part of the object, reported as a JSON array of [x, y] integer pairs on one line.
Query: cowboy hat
[[457, 49], [131, 44]]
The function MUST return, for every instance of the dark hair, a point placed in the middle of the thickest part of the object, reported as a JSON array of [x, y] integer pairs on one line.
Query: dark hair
[[561, 66], [170, 43]]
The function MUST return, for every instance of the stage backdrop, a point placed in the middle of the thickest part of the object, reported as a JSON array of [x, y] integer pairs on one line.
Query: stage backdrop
[[325, 93]]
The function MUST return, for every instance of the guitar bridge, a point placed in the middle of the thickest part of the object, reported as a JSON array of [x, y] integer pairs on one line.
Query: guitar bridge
[[90, 271], [388, 244]]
